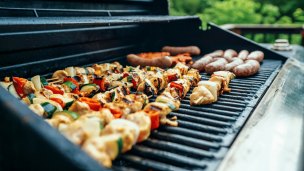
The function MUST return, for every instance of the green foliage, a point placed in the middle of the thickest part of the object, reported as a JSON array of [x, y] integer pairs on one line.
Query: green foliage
[[244, 12]]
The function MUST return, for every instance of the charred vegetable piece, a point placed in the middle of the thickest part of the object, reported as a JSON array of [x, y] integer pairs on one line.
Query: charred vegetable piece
[[43, 82], [70, 114], [49, 109]]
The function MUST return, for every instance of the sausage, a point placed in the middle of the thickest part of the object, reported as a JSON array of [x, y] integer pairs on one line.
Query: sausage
[[192, 50], [163, 62], [217, 53], [243, 55], [256, 55], [233, 64], [249, 68], [218, 65], [201, 63], [229, 54]]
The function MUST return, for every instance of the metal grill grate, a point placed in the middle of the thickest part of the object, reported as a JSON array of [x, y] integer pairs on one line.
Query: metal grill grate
[[204, 133]]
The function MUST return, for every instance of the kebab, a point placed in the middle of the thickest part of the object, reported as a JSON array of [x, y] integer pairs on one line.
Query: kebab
[[207, 92]]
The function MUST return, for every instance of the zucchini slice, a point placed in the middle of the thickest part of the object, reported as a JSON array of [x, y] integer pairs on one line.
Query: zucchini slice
[[13, 91], [70, 84], [39, 101], [49, 109], [70, 114], [89, 89], [120, 145], [67, 101], [43, 82], [31, 97]]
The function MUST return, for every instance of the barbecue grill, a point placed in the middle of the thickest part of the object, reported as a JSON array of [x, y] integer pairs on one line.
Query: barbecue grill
[[41, 37]]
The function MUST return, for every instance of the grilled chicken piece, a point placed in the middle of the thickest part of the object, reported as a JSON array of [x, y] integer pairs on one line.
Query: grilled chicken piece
[[174, 92], [80, 108], [43, 93], [104, 115], [37, 108], [212, 87], [174, 71], [118, 93], [218, 81], [143, 121], [57, 120], [118, 66], [196, 72], [103, 98], [83, 128], [139, 97], [162, 108], [120, 106], [186, 86], [82, 79], [182, 68], [128, 130], [201, 95], [103, 149], [28, 88], [80, 71], [60, 75], [147, 87], [91, 70], [166, 96]]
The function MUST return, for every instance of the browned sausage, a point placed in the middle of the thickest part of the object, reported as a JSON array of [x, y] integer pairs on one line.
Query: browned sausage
[[249, 68], [162, 62], [217, 53], [218, 65], [233, 64], [192, 50], [201, 63], [229, 54], [243, 55], [256, 55]]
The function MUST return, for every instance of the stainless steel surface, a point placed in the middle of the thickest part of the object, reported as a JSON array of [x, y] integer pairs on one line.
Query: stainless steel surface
[[272, 138]]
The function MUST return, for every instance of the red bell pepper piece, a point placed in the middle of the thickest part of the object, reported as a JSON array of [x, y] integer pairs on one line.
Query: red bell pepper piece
[[81, 94], [18, 84], [154, 116], [133, 80], [178, 86], [172, 77], [116, 113], [59, 101], [94, 104], [100, 83], [55, 90], [76, 90]]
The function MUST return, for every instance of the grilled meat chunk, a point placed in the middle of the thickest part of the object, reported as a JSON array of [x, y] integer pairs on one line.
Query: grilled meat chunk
[[201, 95]]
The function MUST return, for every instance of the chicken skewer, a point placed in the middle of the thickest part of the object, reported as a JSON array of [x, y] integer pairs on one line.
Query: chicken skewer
[[207, 92]]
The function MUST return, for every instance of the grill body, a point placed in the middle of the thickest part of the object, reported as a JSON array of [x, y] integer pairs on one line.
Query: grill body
[[42, 38]]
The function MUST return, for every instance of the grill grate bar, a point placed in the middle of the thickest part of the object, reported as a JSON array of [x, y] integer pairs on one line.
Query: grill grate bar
[[200, 127], [192, 142], [167, 156], [191, 133], [216, 111], [195, 119], [206, 115], [146, 163], [212, 106], [195, 152]]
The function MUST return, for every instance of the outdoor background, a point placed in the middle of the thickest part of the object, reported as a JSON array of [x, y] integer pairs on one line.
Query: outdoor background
[[220, 12]]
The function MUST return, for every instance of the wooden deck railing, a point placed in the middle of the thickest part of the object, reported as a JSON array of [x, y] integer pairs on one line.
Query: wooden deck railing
[[264, 29]]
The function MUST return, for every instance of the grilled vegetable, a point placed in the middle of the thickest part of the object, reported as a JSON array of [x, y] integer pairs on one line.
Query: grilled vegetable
[[13, 91], [36, 82], [66, 101], [39, 101], [43, 82], [94, 104], [89, 89], [71, 71], [55, 90], [49, 109], [30, 97], [70, 114], [18, 84]]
